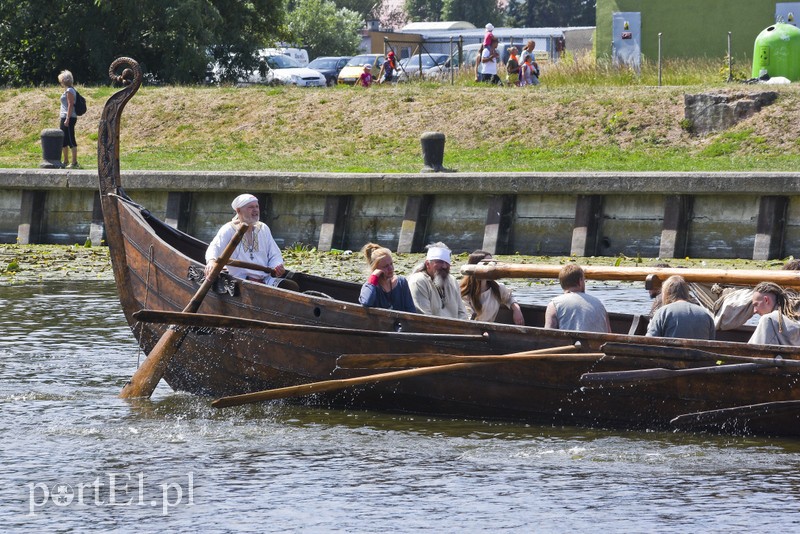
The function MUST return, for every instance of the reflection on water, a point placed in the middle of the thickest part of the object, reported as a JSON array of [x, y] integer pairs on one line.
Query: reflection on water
[[65, 352]]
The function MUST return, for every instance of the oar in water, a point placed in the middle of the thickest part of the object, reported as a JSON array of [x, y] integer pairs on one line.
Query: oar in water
[[668, 352], [638, 376], [343, 383], [387, 361], [725, 417], [205, 320], [146, 378]]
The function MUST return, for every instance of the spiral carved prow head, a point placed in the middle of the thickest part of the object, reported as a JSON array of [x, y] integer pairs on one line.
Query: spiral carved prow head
[[131, 74]]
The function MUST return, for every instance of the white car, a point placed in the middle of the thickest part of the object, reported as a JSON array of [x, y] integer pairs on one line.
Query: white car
[[276, 69], [286, 70]]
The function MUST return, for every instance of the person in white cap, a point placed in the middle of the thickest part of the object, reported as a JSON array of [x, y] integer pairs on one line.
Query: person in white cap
[[434, 290], [257, 246]]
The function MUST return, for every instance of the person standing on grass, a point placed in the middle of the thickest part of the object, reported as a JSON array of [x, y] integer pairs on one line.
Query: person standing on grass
[[365, 80], [512, 67], [489, 59], [68, 117]]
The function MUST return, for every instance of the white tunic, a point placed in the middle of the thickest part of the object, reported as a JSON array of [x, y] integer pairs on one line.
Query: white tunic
[[263, 251]]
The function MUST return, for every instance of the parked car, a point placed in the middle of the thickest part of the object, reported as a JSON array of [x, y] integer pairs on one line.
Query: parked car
[[329, 66], [410, 67], [350, 73], [274, 69]]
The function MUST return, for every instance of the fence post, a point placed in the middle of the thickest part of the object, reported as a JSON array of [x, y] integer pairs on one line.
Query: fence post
[[659, 59], [451, 61], [730, 60]]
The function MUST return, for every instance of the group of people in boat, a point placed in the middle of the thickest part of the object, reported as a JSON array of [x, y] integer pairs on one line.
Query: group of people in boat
[[432, 290]]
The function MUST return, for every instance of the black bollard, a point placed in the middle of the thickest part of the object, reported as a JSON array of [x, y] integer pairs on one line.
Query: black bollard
[[432, 151], [52, 142]]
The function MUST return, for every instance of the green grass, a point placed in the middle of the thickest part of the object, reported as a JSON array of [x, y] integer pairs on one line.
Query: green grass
[[586, 116]]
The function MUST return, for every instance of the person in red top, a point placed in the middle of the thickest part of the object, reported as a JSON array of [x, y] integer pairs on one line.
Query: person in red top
[[365, 80], [387, 69]]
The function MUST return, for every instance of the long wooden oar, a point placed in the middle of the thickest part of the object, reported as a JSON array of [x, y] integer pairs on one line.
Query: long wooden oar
[[343, 383], [253, 266], [493, 271], [668, 352], [638, 376], [146, 378], [734, 415], [207, 320], [388, 361]]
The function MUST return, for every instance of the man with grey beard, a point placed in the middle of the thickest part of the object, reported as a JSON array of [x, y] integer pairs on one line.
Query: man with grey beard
[[434, 290]]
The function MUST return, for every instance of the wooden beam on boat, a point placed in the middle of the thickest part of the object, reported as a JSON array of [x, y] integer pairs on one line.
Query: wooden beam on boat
[[387, 361], [668, 352], [735, 415], [638, 376], [205, 320], [744, 277], [344, 383]]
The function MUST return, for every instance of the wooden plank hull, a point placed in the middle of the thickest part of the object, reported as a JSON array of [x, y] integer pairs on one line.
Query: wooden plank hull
[[153, 270]]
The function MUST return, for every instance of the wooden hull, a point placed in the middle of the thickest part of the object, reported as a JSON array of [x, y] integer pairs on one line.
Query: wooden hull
[[152, 265]]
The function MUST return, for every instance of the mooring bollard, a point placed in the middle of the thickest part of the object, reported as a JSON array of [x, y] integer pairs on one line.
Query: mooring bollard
[[52, 141], [432, 151]]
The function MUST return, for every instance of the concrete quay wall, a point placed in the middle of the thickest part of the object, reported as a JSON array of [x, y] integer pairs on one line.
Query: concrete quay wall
[[667, 215]]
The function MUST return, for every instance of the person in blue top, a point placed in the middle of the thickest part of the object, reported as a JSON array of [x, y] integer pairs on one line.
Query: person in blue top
[[384, 288]]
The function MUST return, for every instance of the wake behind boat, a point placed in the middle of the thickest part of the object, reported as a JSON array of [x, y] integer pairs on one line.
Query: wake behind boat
[[246, 337]]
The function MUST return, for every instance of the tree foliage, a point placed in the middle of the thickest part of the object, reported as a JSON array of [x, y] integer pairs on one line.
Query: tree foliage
[[478, 12], [424, 10], [171, 39], [551, 13], [325, 30], [367, 9]]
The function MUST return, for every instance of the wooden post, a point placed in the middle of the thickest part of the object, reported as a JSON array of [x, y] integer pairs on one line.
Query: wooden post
[[497, 233], [588, 215], [332, 231], [96, 228], [415, 222], [31, 217], [675, 231], [771, 227], [178, 209]]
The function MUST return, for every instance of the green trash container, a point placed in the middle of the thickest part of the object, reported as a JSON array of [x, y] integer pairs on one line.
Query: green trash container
[[777, 52]]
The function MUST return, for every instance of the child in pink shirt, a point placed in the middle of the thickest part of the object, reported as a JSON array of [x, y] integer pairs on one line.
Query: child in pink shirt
[[365, 80], [487, 39]]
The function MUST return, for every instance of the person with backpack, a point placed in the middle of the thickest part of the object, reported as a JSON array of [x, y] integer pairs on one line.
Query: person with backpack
[[68, 119]]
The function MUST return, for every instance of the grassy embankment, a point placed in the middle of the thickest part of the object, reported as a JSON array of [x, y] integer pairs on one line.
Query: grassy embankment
[[584, 116]]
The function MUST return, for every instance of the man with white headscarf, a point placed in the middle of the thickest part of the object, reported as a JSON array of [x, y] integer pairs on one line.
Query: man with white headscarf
[[257, 245], [434, 290]]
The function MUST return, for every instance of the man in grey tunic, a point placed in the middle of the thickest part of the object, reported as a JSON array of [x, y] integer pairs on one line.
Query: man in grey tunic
[[575, 310], [678, 317]]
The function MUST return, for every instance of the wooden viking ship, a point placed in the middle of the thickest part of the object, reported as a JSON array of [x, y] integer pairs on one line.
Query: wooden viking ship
[[243, 337]]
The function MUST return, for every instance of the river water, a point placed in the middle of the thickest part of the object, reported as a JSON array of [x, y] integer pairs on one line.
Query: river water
[[75, 458]]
